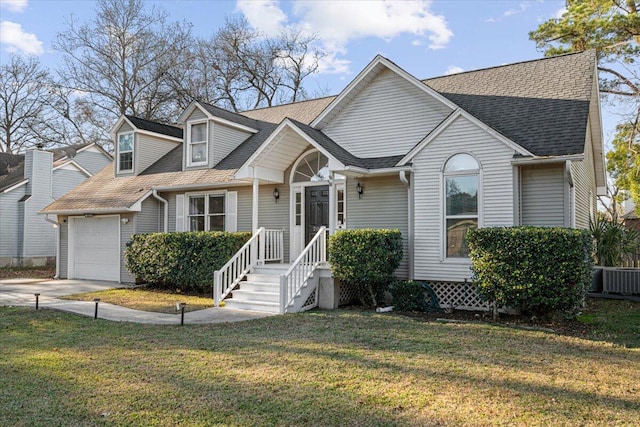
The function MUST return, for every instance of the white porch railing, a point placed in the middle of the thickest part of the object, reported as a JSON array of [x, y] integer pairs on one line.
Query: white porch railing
[[264, 245], [302, 268]]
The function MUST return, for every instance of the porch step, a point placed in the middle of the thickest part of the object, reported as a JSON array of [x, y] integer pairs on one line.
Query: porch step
[[267, 307], [244, 294], [260, 291]]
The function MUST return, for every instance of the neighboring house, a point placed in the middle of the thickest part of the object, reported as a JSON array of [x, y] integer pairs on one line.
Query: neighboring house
[[28, 183], [518, 144]]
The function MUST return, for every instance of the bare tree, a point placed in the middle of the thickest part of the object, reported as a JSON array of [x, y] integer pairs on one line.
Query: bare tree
[[123, 60], [239, 68], [25, 96]]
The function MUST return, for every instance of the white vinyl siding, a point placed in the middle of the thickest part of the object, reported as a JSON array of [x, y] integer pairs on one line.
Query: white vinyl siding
[[150, 149], [39, 235], [126, 231], [384, 204], [65, 180], [91, 160], [583, 173], [389, 117], [542, 195], [274, 215], [148, 219], [225, 140], [64, 247], [10, 219], [495, 195]]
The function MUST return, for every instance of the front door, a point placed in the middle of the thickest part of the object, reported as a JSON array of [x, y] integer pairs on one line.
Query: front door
[[316, 201]]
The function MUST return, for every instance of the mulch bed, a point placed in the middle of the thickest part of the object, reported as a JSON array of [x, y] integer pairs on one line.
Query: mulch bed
[[27, 273]]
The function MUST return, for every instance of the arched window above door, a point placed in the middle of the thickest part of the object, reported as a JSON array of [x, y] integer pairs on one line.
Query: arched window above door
[[313, 167]]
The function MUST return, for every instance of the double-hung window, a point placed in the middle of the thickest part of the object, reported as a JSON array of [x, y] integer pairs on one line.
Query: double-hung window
[[125, 152], [461, 181], [206, 212], [197, 143]]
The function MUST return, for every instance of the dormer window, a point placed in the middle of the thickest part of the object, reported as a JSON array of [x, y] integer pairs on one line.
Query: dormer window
[[125, 152], [197, 143]]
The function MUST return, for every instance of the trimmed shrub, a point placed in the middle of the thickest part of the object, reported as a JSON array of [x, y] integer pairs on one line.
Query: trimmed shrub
[[366, 258], [540, 270], [183, 261], [408, 296]]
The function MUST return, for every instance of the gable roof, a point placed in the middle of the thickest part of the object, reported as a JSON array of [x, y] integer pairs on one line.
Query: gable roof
[[542, 104], [302, 111], [155, 127], [12, 165]]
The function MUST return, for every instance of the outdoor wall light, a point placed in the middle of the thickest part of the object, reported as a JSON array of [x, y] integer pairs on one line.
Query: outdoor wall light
[[360, 190], [276, 194], [124, 220]]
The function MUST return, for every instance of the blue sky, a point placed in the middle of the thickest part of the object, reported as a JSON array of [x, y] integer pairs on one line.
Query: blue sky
[[426, 38]]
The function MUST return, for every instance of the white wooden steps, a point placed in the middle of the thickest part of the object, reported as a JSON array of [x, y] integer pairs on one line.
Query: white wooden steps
[[260, 291]]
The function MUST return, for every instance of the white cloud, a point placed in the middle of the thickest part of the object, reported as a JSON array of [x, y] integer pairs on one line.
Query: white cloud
[[264, 15], [453, 69], [336, 23], [14, 5], [522, 7], [16, 40]]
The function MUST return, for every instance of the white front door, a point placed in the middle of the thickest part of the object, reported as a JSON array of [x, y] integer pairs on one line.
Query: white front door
[[94, 248]]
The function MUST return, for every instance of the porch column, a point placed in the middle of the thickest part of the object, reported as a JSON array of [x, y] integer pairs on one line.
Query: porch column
[[332, 204], [254, 205]]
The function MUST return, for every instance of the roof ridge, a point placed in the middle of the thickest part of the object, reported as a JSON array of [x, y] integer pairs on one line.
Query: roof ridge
[[131, 116], [544, 58], [287, 103]]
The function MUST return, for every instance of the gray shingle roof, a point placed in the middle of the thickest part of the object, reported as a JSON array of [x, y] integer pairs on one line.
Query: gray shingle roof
[[541, 105], [155, 127], [230, 116]]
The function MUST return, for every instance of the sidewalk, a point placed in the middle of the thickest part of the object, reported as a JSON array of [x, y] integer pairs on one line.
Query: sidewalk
[[20, 292]]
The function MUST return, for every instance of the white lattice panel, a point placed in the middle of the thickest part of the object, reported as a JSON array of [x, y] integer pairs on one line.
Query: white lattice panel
[[347, 294], [459, 296]]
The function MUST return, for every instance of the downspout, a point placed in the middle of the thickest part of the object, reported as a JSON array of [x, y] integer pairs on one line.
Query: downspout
[[403, 178], [166, 209], [56, 225]]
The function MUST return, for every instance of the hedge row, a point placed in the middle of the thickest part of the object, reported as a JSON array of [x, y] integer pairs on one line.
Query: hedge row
[[366, 258], [540, 270], [182, 261]]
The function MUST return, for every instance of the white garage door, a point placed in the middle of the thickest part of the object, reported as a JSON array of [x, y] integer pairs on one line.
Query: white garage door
[[95, 251]]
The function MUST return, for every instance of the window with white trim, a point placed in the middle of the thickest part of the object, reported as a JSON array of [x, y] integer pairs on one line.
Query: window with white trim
[[125, 152], [341, 220], [461, 176], [197, 143], [206, 212]]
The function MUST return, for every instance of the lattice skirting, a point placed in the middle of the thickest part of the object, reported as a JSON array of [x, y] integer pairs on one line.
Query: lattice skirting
[[459, 296], [348, 294]]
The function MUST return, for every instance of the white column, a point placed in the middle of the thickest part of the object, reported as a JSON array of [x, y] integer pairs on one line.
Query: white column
[[332, 204], [254, 206]]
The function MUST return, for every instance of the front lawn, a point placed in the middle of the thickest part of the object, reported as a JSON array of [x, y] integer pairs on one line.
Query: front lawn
[[318, 368], [146, 299]]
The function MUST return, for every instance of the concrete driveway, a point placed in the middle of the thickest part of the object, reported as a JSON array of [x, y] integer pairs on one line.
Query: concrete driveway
[[20, 292]]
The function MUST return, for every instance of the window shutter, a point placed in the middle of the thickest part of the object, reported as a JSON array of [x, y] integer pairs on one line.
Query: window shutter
[[231, 211], [180, 212]]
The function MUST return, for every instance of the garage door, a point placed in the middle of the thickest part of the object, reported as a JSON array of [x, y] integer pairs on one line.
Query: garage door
[[95, 251]]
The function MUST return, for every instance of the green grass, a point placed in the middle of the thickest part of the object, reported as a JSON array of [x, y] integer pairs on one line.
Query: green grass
[[613, 320], [146, 300], [319, 368]]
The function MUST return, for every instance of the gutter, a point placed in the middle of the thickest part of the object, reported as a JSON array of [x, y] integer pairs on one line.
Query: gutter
[[201, 186], [166, 209], [551, 159], [56, 225]]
